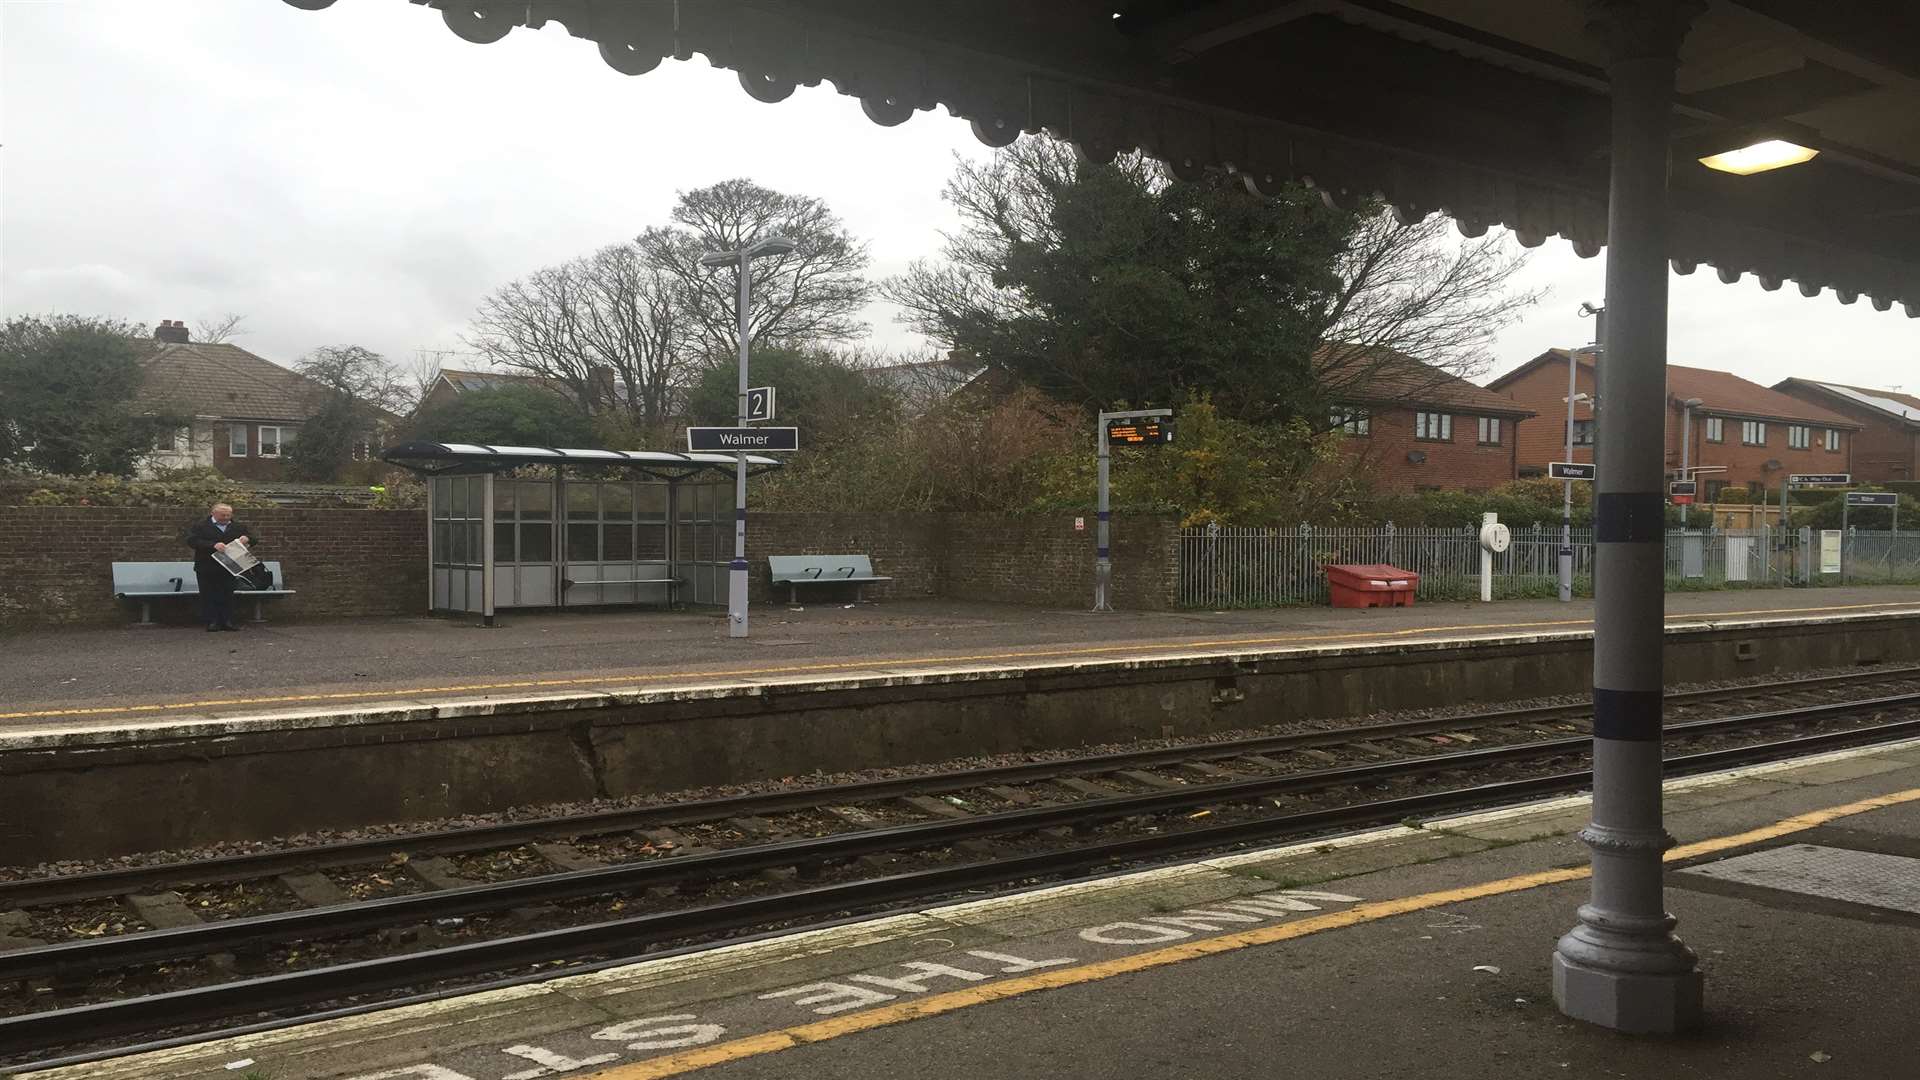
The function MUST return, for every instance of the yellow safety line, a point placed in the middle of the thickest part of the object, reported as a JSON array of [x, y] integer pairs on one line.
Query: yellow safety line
[[757, 1045], [880, 662]]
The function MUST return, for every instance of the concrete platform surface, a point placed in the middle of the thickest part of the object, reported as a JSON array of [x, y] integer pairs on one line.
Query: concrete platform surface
[[54, 676], [1406, 952]]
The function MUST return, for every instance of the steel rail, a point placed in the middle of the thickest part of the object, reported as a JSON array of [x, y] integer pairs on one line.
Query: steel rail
[[118, 882], [68, 958], [36, 1031]]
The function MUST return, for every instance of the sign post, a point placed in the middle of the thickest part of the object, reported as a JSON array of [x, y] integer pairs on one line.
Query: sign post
[[1786, 498], [1569, 471], [1140, 427]]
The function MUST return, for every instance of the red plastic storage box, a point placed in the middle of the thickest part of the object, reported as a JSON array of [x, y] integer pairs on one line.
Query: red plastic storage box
[[1371, 585]]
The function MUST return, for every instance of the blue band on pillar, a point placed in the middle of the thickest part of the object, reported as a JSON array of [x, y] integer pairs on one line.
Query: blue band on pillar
[[1101, 552], [1629, 715], [737, 564], [740, 514], [1621, 517], [1104, 515]]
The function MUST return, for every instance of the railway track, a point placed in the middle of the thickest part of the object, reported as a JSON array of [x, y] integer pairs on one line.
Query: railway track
[[159, 980]]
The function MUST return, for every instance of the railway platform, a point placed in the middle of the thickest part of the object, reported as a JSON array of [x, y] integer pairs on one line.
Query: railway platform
[[1419, 950], [102, 678]]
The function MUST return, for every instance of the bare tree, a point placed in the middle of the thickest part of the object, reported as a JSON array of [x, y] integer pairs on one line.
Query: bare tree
[[810, 296], [217, 330], [607, 327]]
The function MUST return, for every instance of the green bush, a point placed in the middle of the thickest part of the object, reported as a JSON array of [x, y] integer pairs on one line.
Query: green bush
[[173, 487]]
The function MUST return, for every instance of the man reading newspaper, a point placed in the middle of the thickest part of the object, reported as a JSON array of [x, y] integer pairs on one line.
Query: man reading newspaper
[[220, 553]]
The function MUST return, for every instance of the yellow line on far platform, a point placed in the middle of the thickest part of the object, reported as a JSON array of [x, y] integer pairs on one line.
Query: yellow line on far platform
[[881, 662], [821, 1031]]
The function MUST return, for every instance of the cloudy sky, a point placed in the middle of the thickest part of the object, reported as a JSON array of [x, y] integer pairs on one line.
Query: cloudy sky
[[362, 175]]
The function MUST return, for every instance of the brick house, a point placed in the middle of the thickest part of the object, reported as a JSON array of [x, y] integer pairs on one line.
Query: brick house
[[1887, 447], [1414, 427], [1742, 433], [450, 383], [246, 409]]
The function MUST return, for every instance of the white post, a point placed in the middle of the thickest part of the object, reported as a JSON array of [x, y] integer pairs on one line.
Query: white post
[[1103, 553], [737, 570], [1486, 560], [487, 579]]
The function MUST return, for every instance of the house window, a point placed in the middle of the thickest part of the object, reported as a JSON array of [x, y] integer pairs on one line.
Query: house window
[[1714, 488], [269, 441], [1716, 429], [1833, 441], [1489, 431], [1434, 427], [1583, 433], [1352, 421], [1753, 433], [236, 440], [1799, 436]]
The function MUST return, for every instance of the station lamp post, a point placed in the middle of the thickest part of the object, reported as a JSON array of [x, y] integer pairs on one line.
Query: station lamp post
[[737, 569]]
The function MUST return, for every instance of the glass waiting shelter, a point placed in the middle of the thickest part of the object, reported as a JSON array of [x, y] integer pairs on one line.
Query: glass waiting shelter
[[596, 527]]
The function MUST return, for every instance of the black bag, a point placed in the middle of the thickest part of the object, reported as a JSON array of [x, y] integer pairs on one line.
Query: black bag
[[257, 578]]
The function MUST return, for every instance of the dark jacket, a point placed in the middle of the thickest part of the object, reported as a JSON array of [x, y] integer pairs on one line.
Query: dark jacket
[[203, 534]]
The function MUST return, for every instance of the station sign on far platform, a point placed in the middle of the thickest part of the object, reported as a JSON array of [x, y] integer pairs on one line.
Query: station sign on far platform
[[1683, 491], [1572, 470], [1816, 479], [1873, 498], [1140, 431], [737, 439]]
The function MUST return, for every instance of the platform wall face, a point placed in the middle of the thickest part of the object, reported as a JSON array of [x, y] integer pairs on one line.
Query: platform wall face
[[99, 800], [56, 562]]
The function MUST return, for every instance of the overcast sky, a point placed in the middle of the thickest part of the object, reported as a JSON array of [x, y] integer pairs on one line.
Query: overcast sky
[[361, 175]]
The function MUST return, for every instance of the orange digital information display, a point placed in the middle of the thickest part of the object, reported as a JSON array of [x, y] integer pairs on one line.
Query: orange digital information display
[[1146, 432]]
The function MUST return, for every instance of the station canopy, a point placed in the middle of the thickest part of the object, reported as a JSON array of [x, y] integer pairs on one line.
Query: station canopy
[[467, 459], [1495, 112]]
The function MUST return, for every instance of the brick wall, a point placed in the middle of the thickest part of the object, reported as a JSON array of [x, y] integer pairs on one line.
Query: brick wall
[[1544, 438], [1884, 449], [252, 466], [1457, 464], [56, 561], [1746, 465]]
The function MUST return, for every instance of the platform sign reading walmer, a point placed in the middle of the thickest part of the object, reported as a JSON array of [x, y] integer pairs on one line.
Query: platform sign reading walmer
[[742, 439], [1571, 470], [1872, 498]]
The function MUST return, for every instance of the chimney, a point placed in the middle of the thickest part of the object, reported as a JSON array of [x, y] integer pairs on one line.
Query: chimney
[[171, 332]]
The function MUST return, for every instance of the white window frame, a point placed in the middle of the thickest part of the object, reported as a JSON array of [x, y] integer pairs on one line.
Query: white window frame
[[1716, 430], [1490, 431], [1433, 426], [1833, 440], [277, 445], [1592, 427], [1799, 437], [240, 430], [1753, 433]]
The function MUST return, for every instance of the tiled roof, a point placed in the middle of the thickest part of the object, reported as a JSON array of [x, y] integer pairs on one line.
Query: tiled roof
[[1892, 403], [1725, 392], [225, 381], [1397, 379], [462, 381], [1721, 391]]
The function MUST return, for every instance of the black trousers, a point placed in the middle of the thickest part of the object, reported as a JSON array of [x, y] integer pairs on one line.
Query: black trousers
[[216, 595]]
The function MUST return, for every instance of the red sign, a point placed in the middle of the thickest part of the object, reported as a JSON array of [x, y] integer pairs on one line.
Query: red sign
[[1683, 500]]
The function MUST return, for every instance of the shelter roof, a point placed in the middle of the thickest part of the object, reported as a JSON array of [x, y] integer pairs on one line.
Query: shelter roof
[[445, 459], [1494, 111]]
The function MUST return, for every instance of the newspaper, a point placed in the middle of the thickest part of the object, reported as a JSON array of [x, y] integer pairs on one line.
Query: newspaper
[[236, 558]]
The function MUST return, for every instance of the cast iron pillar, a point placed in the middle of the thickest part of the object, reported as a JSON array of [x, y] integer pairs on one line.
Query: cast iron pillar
[[1622, 967]]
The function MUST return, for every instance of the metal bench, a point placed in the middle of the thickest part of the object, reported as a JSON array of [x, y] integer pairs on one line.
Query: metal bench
[[794, 571], [148, 581]]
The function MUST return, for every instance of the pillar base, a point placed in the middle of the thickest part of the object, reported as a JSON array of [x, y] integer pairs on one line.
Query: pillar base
[[1636, 1003]]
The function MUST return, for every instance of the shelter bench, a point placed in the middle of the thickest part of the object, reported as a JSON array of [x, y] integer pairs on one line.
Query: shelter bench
[[150, 581], [794, 571]]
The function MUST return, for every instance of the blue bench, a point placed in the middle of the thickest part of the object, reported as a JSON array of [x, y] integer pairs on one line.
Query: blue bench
[[150, 581], [794, 571]]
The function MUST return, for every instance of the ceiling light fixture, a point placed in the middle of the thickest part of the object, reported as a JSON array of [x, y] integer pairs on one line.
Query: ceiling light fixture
[[1760, 157]]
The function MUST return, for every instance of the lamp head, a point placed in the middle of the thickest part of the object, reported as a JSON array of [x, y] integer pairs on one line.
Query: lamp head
[[719, 258], [771, 245]]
